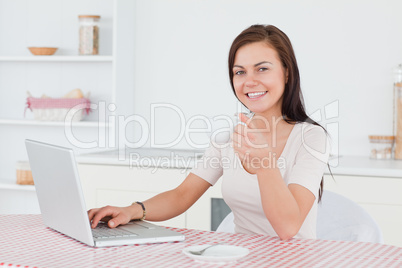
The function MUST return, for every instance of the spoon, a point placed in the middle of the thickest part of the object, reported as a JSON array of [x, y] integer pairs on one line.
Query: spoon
[[200, 252]]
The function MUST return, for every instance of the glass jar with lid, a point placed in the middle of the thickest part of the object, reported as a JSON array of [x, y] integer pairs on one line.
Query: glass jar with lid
[[381, 147], [89, 34], [397, 127]]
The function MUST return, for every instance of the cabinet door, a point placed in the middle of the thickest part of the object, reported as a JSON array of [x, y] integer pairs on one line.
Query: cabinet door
[[123, 185], [381, 197], [199, 215]]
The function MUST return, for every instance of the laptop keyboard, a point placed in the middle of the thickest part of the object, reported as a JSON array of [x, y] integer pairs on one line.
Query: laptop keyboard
[[103, 231]]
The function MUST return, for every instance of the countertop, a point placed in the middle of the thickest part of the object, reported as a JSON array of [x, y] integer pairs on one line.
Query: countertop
[[144, 157], [364, 166], [185, 158]]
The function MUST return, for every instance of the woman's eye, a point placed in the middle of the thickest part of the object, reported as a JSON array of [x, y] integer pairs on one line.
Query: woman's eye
[[239, 72], [262, 69]]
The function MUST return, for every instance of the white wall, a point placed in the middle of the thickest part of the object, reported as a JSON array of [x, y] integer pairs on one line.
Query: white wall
[[51, 23], [25, 23], [346, 52]]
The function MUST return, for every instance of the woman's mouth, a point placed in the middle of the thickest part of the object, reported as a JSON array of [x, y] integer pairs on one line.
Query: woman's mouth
[[256, 95]]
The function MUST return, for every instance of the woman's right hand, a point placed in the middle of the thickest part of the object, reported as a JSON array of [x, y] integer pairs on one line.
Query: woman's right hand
[[114, 216]]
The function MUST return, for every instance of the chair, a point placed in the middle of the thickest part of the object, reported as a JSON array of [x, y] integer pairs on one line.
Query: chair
[[227, 225], [338, 218]]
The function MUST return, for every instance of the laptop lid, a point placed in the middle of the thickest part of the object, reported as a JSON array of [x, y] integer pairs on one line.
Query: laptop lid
[[58, 189]]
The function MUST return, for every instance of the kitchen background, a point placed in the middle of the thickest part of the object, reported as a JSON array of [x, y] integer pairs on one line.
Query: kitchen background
[[178, 51], [175, 53]]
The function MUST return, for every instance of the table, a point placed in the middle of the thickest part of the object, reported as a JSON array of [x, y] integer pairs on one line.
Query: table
[[26, 242]]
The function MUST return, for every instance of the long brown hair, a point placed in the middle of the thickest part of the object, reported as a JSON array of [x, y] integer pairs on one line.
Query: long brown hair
[[293, 110]]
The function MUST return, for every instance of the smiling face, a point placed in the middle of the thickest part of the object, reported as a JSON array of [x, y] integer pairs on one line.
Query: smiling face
[[259, 78]]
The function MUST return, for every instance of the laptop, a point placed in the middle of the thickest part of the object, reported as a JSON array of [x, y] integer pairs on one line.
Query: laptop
[[62, 202]]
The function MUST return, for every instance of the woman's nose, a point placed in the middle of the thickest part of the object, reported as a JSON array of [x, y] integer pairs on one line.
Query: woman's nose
[[251, 81]]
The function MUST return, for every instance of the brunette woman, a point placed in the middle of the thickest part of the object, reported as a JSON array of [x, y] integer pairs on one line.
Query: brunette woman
[[273, 165]]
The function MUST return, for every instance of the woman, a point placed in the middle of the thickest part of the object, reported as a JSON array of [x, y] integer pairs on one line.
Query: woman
[[273, 179]]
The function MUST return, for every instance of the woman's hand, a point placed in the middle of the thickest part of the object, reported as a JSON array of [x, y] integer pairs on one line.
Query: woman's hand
[[115, 216], [250, 143]]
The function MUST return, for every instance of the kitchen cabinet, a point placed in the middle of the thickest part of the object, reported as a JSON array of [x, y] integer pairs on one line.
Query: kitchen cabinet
[[112, 178], [108, 76], [122, 185], [374, 185], [381, 197]]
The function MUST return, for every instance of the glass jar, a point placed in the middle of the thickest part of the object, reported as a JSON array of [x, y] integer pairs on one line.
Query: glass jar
[[381, 147], [397, 127], [89, 34], [24, 174]]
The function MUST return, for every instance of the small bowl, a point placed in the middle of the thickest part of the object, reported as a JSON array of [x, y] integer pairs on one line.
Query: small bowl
[[42, 50]]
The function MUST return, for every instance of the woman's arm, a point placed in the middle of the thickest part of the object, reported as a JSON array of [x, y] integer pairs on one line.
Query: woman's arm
[[161, 207], [286, 207]]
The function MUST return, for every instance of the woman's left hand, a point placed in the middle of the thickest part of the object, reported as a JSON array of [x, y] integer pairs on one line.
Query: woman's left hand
[[251, 144]]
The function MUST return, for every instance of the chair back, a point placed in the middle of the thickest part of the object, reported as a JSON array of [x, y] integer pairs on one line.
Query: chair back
[[339, 218], [227, 225]]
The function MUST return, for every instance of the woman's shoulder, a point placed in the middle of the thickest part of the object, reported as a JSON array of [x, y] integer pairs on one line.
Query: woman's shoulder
[[310, 128], [308, 133], [313, 137]]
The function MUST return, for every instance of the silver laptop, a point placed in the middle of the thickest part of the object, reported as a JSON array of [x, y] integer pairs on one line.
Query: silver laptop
[[62, 203]]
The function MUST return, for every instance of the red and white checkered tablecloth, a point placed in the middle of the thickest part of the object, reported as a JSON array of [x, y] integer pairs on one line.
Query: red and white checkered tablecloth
[[26, 242]]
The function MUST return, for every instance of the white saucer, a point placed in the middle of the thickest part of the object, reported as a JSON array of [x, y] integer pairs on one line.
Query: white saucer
[[219, 253]]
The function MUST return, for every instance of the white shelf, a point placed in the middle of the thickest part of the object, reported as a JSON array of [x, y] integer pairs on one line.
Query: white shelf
[[21, 122], [8, 185], [94, 58]]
